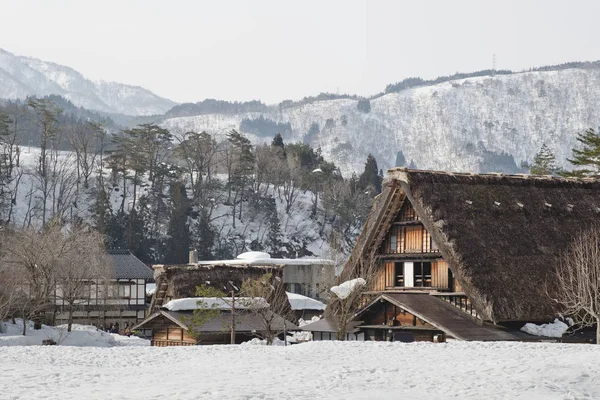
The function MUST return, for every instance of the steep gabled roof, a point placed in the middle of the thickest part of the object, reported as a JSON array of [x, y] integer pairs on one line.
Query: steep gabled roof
[[128, 266], [502, 235]]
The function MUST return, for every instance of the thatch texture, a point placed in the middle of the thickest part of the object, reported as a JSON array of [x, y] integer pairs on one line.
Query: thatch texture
[[502, 235], [183, 279]]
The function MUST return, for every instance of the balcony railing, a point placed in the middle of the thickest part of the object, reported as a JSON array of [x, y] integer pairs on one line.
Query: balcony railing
[[459, 301], [166, 343]]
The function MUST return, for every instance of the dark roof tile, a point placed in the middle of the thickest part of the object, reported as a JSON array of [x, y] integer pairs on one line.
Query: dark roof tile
[[128, 266]]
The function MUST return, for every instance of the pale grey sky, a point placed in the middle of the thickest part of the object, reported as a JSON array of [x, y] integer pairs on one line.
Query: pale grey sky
[[273, 50]]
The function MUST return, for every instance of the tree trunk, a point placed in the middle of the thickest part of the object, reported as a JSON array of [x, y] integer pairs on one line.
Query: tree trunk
[[70, 321], [597, 330]]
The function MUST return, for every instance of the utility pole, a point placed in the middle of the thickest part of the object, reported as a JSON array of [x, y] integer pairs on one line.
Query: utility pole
[[233, 317]]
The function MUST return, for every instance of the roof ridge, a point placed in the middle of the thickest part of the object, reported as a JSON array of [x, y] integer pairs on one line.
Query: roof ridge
[[521, 177], [118, 252]]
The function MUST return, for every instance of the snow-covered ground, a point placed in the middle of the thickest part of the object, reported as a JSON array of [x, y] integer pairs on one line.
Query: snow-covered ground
[[80, 336], [325, 370]]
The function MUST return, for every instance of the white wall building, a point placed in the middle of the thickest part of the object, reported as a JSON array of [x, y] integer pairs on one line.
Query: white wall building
[[310, 277], [122, 302]]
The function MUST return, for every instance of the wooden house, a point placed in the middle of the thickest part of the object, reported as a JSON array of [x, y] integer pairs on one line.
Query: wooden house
[[306, 276], [121, 303], [172, 325], [180, 281], [467, 255]]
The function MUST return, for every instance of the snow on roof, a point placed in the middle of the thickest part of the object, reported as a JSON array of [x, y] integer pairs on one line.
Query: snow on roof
[[218, 303], [253, 255], [343, 290], [299, 302], [262, 258]]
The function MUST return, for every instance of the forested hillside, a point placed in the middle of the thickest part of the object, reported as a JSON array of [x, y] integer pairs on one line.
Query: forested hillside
[[487, 121], [160, 193]]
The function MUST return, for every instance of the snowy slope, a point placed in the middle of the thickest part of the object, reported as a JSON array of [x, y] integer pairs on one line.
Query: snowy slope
[[314, 370], [448, 126], [297, 227], [24, 76]]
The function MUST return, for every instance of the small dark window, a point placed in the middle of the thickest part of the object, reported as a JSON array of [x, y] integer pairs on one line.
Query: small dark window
[[399, 274]]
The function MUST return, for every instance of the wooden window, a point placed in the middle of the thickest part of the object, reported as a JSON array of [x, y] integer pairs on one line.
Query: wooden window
[[124, 290], [422, 274], [393, 243], [413, 239], [407, 213], [399, 274], [439, 275], [390, 274]]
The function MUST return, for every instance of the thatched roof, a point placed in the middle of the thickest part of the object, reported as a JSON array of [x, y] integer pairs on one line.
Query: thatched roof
[[501, 234], [183, 279]]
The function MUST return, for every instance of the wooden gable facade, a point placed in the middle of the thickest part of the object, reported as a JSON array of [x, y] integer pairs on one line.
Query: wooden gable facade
[[472, 255], [409, 258]]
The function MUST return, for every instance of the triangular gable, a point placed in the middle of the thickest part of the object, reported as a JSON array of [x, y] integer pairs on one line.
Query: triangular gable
[[382, 214], [502, 235], [158, 314]]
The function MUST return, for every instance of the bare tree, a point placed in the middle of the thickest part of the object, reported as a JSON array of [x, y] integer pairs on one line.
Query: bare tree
[[87, 142], [9, 290], [350, 295], [35, 256], [83, 264], [578, 280], [62, 184], [292, 176], [197, 151], [274, 316], [45, 118]]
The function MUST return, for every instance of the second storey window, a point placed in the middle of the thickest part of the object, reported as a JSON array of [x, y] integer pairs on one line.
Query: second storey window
[[422, 274], [124, 290]]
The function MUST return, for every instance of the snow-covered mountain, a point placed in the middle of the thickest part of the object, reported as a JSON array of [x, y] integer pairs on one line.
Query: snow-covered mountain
[[475, 124], [24, 76]]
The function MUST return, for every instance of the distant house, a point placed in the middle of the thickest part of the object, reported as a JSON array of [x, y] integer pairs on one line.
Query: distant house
[[467, 255], [305, 307], [171, 324], [305, 276], [327, 329], [123, 302]]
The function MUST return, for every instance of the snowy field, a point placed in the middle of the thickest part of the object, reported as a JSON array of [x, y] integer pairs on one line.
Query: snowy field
[[317, 370]]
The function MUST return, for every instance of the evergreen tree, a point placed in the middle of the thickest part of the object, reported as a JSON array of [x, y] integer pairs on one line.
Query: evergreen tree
[[101, 214], [178, 232], [370, 179], [274, 235], [544, 162], [400, 159], [364, 105], [133, 235], [278, 141], [588, 157], [204, 236]]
